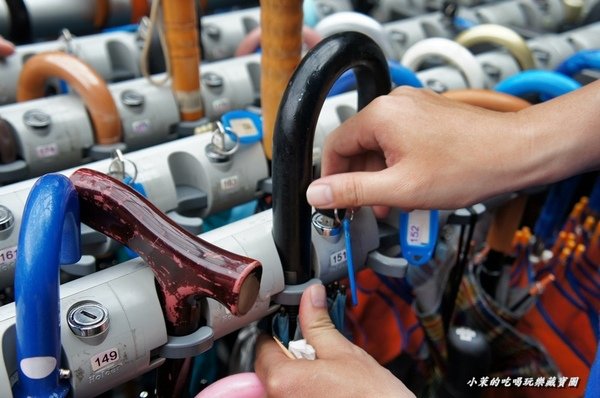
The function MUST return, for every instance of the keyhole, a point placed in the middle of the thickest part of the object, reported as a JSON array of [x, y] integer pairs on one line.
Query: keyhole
[[89, 314]]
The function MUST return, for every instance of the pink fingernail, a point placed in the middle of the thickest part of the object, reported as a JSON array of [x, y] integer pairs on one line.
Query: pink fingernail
[[317, 296], [319, 195]]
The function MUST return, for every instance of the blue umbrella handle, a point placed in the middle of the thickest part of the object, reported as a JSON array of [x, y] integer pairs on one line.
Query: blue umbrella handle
[[49, 236]]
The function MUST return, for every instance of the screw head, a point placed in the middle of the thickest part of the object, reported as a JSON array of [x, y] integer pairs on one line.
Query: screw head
[[212, 80], [36, 119], [132, 98]]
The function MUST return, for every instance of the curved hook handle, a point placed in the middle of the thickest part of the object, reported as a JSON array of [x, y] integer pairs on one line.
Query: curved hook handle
[[451, 52], [546, 84], [295, 125], [501, 36], [584, 59], [399, 74], [184, 265], [49, 236], [84, 80]]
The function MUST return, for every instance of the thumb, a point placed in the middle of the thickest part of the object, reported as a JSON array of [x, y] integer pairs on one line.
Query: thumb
[[355, 189], [316, 325]]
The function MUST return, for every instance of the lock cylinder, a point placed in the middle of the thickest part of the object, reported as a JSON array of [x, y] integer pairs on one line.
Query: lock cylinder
[[326, 226], [89, 321]]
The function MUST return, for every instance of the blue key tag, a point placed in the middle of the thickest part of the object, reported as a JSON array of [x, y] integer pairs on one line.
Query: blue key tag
[[135, 185], [243, 126], [418, 235], [349, 257]]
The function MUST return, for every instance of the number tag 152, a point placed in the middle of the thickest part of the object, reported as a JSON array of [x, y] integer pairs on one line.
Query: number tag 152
[[418, 235]]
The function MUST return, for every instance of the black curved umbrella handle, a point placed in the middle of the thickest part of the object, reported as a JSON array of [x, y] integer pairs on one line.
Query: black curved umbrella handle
[[295, 128]]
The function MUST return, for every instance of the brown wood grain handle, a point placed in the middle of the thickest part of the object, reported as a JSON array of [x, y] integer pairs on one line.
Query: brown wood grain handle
[[181, 33], [184, 265], [281, 39]]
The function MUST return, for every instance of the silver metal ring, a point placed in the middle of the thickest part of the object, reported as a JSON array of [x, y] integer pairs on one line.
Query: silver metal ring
[[119, 159], [216, 147]]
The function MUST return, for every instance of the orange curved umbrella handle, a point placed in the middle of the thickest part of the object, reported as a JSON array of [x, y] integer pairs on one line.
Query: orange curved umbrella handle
[[181, 33], [281, 24], [83, 79]]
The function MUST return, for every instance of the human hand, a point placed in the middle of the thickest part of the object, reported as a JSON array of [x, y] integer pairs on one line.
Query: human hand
[[415, 149], [340, 370], [6, 47]]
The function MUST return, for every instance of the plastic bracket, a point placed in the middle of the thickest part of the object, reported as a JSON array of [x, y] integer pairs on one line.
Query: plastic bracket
[[394, 267], [291, 293], [188, 346]]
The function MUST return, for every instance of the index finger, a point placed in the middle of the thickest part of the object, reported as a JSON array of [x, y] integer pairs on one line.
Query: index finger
[[355, 136]]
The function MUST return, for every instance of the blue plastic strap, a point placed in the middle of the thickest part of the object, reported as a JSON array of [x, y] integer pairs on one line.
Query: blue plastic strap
[[280, 327], [418, 235], [584, 59], [50, 236], [546, 84], [350, 260]]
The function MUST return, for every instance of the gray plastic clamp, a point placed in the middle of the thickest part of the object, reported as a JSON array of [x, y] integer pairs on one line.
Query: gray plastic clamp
[[188, 346], [291, 293]]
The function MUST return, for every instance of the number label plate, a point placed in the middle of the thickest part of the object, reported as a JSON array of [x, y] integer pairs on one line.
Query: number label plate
[[418, 227], [8, 255], [46, 151], [104, 359], [337, 258], [230, 183], [418, 235]]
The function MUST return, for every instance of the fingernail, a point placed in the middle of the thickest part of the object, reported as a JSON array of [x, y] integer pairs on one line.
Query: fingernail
[[317, 296], [319, 195]]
